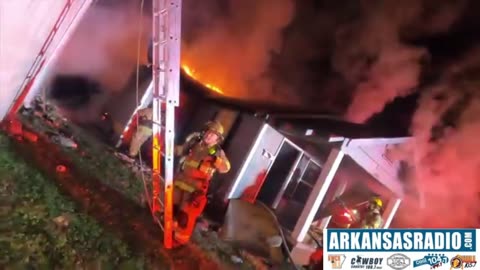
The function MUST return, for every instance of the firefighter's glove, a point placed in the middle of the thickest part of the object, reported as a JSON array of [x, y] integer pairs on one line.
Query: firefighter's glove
[[219, 163], [210, 160]]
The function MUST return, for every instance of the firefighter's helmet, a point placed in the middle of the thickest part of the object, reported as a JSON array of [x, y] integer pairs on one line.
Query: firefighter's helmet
[[376, 201], [215, 127]]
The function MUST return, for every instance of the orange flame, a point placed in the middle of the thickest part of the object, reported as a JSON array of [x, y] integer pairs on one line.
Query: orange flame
[[191, 72]]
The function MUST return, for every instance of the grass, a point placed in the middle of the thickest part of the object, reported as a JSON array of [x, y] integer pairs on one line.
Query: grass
[[214, 247], [30, 237], [98, 161]]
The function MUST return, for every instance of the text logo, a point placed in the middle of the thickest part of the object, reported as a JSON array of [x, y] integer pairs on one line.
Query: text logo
[[401, 241], [361, 262], [468, 240], [460, 262], [398, 261], [336, 261], [433, 260]]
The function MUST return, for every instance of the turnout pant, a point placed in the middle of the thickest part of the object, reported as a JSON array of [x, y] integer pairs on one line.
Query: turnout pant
[[189, 205], [139, 138]]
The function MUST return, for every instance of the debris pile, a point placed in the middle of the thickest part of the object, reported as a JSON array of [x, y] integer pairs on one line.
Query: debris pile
[[57, 129]]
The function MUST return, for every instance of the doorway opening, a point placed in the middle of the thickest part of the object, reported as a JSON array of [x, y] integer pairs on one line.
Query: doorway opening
[[293, 196], [278, 173]]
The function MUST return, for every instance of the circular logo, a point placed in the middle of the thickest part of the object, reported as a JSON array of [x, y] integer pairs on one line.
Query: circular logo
[[456, 263]]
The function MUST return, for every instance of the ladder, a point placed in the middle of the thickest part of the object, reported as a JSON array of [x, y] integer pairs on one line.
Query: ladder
[[166, 84]]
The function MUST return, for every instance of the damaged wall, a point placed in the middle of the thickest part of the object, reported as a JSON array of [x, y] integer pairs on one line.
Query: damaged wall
[[21, 39], [105, 48]]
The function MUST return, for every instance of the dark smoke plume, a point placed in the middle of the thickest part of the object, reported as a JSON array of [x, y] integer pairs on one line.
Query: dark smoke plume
[[229, 44], [338, 53], [371, 55], [354, 57], [444, 162], [103, 50]]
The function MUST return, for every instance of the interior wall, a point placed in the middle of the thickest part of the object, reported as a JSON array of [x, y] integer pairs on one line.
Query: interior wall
[[24, 28], [377, 160], [189, 106], [277, 175], [203, 113], [227, 118], [237, 146]]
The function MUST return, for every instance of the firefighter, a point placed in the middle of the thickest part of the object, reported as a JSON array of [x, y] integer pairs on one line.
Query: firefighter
[[143, 132], [372, 218], [365, 215], [201, 157]]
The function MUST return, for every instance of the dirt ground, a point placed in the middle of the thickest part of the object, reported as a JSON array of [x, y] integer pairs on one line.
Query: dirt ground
[[111, 191], [116, 213]]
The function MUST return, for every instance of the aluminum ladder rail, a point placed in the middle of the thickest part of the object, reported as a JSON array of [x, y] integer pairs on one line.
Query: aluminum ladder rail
[[166, 84]]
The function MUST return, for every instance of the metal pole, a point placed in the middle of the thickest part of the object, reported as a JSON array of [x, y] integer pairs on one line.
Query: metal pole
[[390, 212], [318, 193], [287, 181], [166, 84]]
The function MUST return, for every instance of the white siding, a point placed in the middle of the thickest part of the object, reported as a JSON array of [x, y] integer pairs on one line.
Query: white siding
[[24, 28]]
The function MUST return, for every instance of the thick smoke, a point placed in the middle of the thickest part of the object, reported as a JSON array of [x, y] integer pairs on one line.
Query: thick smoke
[[104, 46], [232, 50], [443, 154], [371, 55], [444, 151], [103, 49]]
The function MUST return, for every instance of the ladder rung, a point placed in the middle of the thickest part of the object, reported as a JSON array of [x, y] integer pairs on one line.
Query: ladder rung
[[160, 201], [158, 222], [160, 11]]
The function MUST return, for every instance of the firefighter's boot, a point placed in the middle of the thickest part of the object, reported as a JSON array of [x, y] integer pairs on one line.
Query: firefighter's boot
[[188, 215]]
